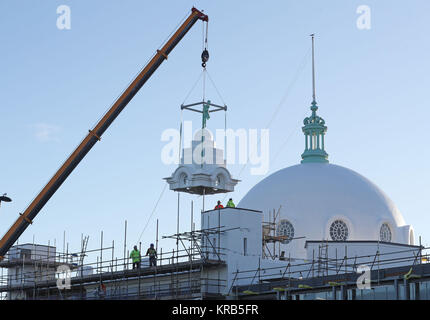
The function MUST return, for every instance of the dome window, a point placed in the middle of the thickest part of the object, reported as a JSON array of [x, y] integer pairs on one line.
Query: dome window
[[385, 233], [339, 231], [285, 228]]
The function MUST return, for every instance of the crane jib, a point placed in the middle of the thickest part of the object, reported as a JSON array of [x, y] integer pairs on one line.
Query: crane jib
[[94, 135]]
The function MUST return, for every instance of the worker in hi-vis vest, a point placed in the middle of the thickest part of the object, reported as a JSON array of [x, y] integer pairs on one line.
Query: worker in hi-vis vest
[[152, 253], [135, 258], [218, 205], [230, 203]]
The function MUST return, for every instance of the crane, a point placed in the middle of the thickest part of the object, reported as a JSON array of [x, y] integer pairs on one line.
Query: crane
[[94, 135]]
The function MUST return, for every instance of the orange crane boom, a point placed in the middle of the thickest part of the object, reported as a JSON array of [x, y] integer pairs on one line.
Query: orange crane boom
[[94, 135]]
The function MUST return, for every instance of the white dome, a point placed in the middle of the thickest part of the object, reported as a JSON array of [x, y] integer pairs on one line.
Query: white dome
[[315, 195]]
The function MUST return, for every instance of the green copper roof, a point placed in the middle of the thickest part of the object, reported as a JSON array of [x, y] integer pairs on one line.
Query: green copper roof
[[314, 129]]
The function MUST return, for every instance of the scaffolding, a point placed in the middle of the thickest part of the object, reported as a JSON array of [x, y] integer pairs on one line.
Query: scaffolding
[[270, 236], [322, 269], [196, 269], [33, 271], [272, 239]]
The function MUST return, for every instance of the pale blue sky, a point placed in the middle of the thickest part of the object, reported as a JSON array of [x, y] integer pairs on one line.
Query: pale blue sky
[[371, 88]]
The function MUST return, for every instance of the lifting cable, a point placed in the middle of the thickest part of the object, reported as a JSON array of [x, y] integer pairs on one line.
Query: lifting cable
[[205, 58], [205, 55], [296, 76], [205, 52], [164, 188], [216, 89], [299, 71], [146, 63], [180, 140], [193, 87], [225, 114]]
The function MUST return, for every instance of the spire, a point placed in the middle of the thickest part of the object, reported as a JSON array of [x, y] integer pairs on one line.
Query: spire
[[313, 68], [314, 127]]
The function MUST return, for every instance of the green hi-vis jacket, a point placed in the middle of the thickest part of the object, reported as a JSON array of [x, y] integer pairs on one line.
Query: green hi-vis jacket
[[135, 256], [230, 204]]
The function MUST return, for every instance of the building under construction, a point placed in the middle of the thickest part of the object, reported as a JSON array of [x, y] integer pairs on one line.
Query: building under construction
[[310, 231], [212, 264]]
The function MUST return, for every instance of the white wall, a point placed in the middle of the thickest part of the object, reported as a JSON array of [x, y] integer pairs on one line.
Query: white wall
[[34, 266], [238, 225], [363, 252], [38, 252]]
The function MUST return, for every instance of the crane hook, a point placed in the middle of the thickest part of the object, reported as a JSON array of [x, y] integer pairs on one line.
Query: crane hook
[[205, 57]]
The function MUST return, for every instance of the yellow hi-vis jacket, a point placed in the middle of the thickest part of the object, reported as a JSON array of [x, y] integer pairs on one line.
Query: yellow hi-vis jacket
[[135, 256], [230, 204]]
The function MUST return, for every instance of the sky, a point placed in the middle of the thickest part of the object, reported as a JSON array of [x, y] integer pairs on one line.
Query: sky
[[55, 84]]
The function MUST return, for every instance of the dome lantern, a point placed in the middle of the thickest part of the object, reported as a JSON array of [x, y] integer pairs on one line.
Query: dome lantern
[[202, 168], [314, 129]]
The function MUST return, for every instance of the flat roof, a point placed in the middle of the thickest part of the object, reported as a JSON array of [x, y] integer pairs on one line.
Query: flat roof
[[234, 208], [31, 244], [362, 241]]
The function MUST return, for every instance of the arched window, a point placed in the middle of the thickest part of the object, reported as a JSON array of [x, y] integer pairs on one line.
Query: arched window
[[339, 231], [285, 228], [385, 233], [219, 180], [183, 179]]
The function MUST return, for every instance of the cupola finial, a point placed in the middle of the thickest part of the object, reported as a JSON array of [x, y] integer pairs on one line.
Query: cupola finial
[[314, 126]]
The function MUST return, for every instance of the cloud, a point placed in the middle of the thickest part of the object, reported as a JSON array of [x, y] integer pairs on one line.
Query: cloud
[[45, 132]]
